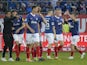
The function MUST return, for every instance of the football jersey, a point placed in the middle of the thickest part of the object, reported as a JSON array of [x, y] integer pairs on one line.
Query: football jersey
[[41, 23], [49, 25], [74, 27], [17, 23], [32, 21], [58, 24]]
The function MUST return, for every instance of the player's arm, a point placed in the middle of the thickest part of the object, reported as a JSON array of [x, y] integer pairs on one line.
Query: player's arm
[[38, 27], [30, 28], [54, 31], [39, 12], [23, 25], [43, 18], [73, 17]]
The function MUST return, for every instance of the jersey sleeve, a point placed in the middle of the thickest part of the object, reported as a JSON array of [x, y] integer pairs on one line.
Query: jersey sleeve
[[70, 23], [27, 19], [21, 20], [40, 20], [62, 20], [52, 21]]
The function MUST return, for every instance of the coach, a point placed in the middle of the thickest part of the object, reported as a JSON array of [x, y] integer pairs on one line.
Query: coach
[[7, 35]]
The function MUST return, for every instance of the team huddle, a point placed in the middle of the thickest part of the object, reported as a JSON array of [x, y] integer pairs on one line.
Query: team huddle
[[53, 22]]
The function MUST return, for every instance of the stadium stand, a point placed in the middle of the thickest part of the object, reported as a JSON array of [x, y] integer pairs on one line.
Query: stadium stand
[[24, 6]]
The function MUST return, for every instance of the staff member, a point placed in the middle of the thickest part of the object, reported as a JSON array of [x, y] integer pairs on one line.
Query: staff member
[[65, 25], [7, 35]]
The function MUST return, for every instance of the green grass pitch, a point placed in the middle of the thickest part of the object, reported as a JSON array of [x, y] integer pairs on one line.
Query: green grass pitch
[[63, 60]]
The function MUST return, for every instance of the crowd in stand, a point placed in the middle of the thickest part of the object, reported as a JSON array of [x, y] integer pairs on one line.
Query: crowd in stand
[[24, 6]]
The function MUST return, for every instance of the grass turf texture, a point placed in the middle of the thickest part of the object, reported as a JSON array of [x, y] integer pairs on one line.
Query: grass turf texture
[[63, 60]]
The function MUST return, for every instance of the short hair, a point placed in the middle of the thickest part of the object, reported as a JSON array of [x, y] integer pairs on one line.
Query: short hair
[[49, 10], [13, 11], [58, 9], [34, 6], [7, 11]]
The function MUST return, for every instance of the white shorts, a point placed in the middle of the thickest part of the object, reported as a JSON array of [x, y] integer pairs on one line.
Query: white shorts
[[75, 39], [18, 37], [32, 38], [50, 38], [59, 37]]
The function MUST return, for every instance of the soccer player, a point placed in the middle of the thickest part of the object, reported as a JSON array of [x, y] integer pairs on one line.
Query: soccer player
[[32, 36], [73, 23], [18, 25], [58, 21], [7, 35], [49, 32], [41, 28]]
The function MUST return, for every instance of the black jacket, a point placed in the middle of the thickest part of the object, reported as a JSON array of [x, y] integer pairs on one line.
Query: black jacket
[[8, 25]]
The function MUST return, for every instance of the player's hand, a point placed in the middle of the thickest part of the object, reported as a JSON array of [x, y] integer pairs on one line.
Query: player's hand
[[32, 31], [17, 31], [41, 15], [67, 13]]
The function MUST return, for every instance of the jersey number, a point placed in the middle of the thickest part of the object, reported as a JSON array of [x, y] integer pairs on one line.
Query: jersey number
[[47, 25]]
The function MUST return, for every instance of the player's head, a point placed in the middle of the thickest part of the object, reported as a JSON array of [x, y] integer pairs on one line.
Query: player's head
[[39, 9], [65, 17], [58, 12], [14, 13], [8, 13], [50, 12], [35, 9]]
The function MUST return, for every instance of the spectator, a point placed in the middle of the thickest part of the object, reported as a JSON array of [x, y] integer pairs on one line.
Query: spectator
[[54, 3], [11, 4], [29, 9], [61, 4], [50, 6], [86, 6], [18, 7], [23, 7], [1, 8], [58, 5], [43, 6], [74, 9], [82, 8], [68, 6]]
